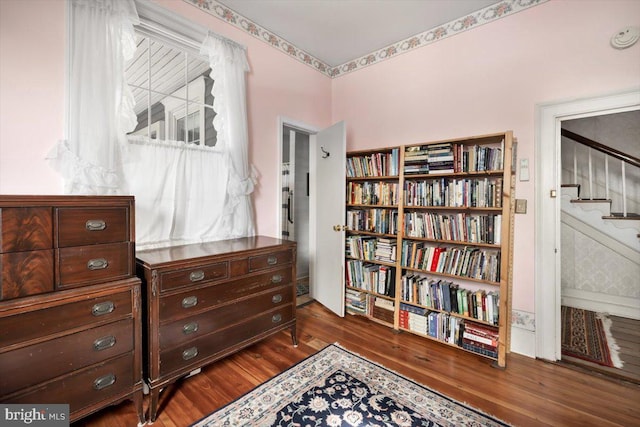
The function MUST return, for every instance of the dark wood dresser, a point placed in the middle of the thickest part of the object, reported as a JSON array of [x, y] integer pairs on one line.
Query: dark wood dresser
[[70, 304], [206, 301]]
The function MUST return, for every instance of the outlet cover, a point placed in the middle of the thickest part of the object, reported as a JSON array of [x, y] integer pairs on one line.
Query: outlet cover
[[521, 206]]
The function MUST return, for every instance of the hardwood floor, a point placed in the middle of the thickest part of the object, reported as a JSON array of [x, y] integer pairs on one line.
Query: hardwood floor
[[528, 392]]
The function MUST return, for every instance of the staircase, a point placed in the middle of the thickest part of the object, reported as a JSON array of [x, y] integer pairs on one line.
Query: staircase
[[600, 227]]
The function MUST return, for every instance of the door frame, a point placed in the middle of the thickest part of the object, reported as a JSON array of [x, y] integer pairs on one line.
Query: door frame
[[297, 125], [549, 118]]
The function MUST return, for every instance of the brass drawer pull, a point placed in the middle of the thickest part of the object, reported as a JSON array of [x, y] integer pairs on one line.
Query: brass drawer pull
[[95, 225], [188, 302], [104, 343], [104, 381], [97, 264], [272, 260], [190, 353], [196, 276], [276, 298], [276, 278], [102, 308], [276, 318], [190, 328]]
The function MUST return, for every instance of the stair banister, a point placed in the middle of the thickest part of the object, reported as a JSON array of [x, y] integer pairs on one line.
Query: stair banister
[[608, 151]]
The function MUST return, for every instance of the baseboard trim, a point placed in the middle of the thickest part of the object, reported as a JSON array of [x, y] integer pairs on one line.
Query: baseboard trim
[[602, 303], [523, 341]]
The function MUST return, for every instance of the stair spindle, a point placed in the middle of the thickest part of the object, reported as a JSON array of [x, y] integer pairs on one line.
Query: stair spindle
[[606, 177], [575, 162], [624, 192], [590, 176]]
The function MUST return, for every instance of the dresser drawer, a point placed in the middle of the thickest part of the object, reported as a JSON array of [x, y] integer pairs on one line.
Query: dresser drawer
[[200, 274], [84, 265], [196, 300], [271, 260], [179, 332], [25, 229], [85, 387], [90, 226], [50, 359], [26, 273], [42, 322], [187, 356]]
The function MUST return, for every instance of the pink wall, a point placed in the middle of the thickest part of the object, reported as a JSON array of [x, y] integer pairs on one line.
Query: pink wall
[[489, 80], [32, 54]]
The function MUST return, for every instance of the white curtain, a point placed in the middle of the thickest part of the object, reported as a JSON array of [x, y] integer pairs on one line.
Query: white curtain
[[180, 192], [229, 64], [100, 102]]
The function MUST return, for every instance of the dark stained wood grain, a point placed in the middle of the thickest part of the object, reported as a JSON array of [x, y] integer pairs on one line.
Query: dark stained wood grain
[[26, 273], [25, 229]]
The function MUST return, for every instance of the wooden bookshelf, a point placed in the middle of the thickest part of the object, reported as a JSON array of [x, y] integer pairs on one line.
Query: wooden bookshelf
[[445, 208]]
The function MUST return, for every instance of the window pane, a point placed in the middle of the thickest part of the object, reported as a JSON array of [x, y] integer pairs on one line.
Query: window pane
[[168, 84]]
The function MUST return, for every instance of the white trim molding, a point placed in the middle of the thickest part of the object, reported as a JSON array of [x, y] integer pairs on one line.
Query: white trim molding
[[547, 280], [490, 13]]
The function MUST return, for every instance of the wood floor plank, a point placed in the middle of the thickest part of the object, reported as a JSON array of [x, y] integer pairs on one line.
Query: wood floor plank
[[528, 392]]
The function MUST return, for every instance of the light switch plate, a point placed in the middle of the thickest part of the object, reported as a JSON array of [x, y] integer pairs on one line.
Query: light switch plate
[[521, 206]]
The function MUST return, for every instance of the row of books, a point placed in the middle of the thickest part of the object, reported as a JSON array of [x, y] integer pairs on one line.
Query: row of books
[[452, 158], [429, 159], [439, 325], [375, 164], [454, 192], [460, 227], [476, 263], [448, 296], [382, 221], [373, 193], [358, 302], [480, 339], [370, 277], [471, 336], [370, 248]]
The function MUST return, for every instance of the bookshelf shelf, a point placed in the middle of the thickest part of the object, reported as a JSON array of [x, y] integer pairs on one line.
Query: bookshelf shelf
[[448, 233]]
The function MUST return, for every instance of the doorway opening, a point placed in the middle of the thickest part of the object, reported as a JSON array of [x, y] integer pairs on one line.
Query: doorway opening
[[295, 215], [549, 243], [600, 249]]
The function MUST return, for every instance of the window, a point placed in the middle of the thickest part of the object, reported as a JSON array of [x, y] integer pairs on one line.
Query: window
[[172, 91]]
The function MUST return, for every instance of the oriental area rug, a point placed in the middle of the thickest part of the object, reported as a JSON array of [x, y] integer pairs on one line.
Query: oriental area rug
[[586, 335], [335, 387]]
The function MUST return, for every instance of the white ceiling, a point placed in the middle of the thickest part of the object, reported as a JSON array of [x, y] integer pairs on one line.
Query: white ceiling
[[338, 31]]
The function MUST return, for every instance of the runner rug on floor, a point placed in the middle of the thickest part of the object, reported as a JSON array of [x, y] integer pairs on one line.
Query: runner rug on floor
[[586, 335], [335, 387]]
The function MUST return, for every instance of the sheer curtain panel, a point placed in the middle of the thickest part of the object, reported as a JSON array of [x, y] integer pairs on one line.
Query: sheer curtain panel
[[229, 64], [100, 102]]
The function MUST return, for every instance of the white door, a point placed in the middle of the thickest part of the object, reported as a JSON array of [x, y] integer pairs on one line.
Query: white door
[[327, 157]]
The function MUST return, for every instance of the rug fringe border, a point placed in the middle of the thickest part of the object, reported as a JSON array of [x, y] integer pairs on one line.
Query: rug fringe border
[[614, 348]]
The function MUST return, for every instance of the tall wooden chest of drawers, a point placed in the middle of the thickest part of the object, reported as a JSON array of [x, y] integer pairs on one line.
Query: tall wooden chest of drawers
[[206, 301], [70, 304]]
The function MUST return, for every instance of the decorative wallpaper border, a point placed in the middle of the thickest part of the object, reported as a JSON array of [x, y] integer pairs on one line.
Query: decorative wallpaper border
[[490, 13], [523, 320]]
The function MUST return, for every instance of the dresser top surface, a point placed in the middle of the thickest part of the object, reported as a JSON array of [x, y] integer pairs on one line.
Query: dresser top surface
[[62, 200], [154, 257]]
